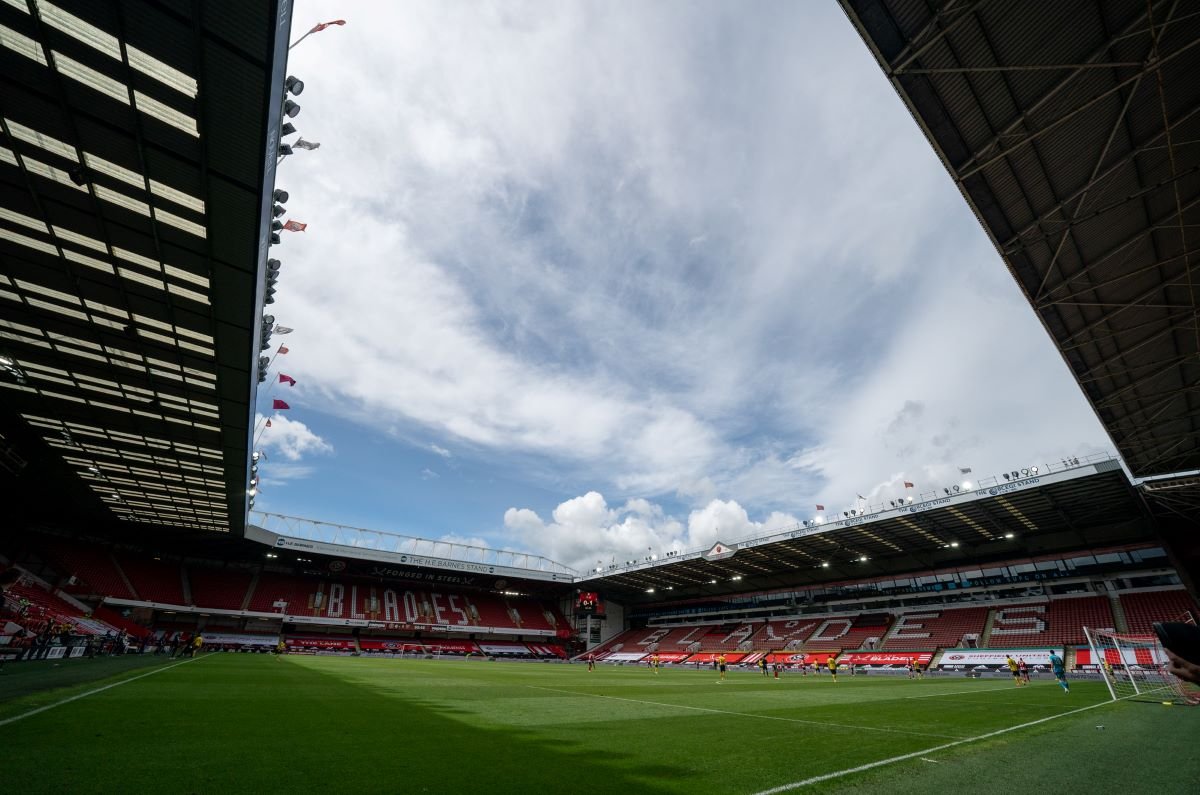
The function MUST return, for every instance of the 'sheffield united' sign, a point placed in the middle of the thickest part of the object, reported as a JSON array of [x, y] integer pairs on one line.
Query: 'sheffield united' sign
[[720, 551]]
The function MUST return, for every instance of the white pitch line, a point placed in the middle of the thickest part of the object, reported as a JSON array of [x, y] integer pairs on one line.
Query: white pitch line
[[960, 692], [33, 712], [744, 714], [921, 753]]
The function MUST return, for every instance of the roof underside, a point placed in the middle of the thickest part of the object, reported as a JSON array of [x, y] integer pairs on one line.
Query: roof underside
[[1094, 511], [132, 165], [1073, 129]]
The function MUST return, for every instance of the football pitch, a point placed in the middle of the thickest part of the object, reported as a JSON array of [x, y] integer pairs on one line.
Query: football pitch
[[254, 723]]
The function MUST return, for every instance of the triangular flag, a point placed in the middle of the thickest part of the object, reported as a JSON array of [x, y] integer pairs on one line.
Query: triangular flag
[[279, 405], [283, 330], [321, 26], [295, 226], [309, 145], [283, 349], [287, 379], [268, 423]]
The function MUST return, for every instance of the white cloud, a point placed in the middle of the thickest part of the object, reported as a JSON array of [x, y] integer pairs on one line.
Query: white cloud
[[673, 251], [291, 439], [428, 474], [585, 532]]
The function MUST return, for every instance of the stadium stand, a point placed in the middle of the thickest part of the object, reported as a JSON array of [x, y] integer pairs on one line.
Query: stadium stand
[[224, 590], [93, 567], [1058, 622], [928, 629], [1143, 608], [729, 637], [848, 632], [276, 593], [153, 580]]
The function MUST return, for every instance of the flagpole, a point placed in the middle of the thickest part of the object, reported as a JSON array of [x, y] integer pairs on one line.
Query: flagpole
[[302, 38], [274, 385]]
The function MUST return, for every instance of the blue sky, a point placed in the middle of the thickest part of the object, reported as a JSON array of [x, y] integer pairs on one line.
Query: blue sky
[[584, 279]]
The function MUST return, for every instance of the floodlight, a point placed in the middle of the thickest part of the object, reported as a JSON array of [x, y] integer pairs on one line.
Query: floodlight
[[280, 195], [290, 109], [278, 210], [825, 564], [1008, 535], [287, 129], [862, 559], [954, 543], [284, 150], [294, 86], [276, 239], [276, 225], [1033, 470], [966, 485], [1006, 476]]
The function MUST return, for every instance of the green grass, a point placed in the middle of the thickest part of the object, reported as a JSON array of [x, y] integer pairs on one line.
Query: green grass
[[253, 723]]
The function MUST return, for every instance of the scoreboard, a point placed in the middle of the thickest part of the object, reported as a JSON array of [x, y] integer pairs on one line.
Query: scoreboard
[[588, 603]]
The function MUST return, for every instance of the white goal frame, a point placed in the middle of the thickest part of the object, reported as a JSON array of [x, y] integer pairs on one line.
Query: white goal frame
[[1126, 678]]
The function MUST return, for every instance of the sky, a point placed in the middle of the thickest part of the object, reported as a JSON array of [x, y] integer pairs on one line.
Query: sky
[[593, 279]]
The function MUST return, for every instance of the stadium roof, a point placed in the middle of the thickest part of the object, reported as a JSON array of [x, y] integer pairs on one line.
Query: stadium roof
[[1071, 128], [1084, 507], [136, 163]]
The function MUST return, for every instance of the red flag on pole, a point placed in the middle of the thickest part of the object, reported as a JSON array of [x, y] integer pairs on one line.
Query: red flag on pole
[[295, 226], [287, 379], [908, 485], [820, 507], [283, 349], [321, 26], [279, 405]]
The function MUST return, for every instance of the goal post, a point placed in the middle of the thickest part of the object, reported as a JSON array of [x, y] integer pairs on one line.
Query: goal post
[[1135, 667]]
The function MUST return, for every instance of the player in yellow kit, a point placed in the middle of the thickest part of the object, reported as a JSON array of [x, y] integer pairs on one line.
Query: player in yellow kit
[[832, 663], [1014, 669], [721, 667]]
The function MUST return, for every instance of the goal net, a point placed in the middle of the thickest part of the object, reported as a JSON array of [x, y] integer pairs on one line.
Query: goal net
[[1135, 667]]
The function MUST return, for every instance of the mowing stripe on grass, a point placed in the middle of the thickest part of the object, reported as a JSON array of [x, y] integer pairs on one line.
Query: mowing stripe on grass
[[746, 714], [916, 754], [78, 696], [960, 692]]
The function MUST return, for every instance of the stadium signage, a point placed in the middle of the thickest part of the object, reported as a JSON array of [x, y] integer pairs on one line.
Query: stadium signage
[[928, 505], [1007, 487], [339, 551], [720, 551], [970, 658], [884, 658]]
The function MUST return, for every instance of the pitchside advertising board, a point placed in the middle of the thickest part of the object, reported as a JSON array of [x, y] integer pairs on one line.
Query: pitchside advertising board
[[962, 659]]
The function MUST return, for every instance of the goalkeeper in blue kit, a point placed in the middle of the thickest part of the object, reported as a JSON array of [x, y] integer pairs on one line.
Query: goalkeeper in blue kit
[[1060, 672]]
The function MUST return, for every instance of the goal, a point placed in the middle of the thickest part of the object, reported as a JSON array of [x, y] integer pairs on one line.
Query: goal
[[1135, 667]]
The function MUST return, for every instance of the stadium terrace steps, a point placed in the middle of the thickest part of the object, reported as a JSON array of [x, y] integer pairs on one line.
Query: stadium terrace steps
[[225, 590], [935, 628], [1058, 622], [153, 580], [1143, 608], [93, 568]]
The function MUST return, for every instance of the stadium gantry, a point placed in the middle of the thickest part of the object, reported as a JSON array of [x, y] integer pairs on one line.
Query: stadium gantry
[[136, 171], [1070, 129]]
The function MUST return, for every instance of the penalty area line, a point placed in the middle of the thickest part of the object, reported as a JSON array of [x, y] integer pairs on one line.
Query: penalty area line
[[923, 752], [93, 692], [826, 724], [963, 692]]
